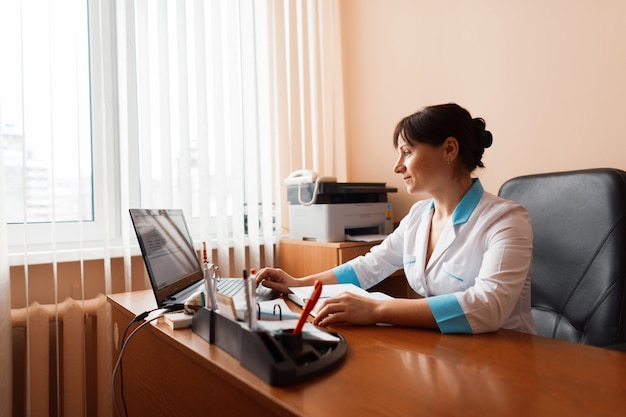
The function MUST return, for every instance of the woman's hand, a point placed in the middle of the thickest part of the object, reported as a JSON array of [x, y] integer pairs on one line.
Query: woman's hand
[[276, 279], [347, 308]]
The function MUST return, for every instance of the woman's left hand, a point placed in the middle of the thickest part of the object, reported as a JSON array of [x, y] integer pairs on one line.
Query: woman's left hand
[[347, 308]]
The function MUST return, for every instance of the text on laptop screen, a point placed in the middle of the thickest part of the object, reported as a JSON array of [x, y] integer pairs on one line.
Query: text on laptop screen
[[167, 246]]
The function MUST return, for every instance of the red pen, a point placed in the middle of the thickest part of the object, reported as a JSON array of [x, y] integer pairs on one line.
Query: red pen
[[308, 306]]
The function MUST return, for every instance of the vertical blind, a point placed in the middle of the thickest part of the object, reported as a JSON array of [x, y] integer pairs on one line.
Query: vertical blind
[[220, 100], [198, 82], [200, 105]]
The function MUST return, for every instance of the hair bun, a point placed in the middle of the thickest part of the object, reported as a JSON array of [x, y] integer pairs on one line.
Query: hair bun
[[486, 139], [484, 136]]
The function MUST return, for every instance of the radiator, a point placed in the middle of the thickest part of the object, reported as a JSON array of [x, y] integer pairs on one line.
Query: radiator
[[67, 365]]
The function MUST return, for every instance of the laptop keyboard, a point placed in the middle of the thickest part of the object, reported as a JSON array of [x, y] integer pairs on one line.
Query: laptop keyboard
[[233, 286], [230, 286]]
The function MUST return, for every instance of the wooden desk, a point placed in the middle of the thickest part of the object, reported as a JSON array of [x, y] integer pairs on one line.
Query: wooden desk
[[389, 371]]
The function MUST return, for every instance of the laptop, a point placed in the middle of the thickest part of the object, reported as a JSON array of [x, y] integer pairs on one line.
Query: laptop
[[172, 263]]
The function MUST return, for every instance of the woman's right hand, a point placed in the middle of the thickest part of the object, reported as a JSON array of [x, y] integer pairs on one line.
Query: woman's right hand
[[277, 280]]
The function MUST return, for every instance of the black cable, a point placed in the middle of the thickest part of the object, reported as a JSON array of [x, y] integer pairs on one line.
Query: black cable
[[121, 363], [125, 341], [122, 372]]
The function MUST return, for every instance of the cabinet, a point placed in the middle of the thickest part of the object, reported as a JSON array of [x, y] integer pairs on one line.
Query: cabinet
[[300, 258]]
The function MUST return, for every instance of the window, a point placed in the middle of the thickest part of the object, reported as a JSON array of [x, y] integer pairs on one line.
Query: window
[[45, 115], [204, 106], [46, 125]]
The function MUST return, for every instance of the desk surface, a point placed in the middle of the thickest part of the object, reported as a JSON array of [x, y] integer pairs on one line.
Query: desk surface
[[389, 371]]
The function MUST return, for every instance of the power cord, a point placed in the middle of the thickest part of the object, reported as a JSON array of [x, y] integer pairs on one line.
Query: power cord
[[140, 317], [125, 341]]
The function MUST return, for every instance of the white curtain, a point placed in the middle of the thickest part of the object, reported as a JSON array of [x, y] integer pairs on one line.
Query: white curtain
[[6, 348], [219, 101], [193, 92], [199, 105]]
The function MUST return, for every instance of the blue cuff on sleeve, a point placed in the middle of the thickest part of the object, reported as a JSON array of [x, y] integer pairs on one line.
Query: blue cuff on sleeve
[[346, 275], [449, 314]]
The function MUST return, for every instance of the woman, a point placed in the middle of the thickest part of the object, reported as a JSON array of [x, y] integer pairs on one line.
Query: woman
[[466, 251]]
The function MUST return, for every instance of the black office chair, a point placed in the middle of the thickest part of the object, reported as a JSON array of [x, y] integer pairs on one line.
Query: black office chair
[[578, 272]]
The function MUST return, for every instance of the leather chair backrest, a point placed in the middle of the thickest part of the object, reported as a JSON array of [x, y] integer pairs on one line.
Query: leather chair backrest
[[578, 272]]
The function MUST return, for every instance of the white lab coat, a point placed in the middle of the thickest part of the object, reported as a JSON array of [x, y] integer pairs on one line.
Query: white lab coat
[[478, 276]]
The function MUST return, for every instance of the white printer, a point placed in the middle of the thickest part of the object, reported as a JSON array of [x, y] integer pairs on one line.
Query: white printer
[[338, 209]]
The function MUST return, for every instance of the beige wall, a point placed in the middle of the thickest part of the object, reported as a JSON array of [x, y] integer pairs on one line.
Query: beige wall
[[549, 78]]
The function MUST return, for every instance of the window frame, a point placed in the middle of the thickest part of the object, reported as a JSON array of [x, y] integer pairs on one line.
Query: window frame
[[72, 240]]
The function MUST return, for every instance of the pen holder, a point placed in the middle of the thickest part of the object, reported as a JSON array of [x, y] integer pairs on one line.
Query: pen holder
[[282, 359], [290, 341]]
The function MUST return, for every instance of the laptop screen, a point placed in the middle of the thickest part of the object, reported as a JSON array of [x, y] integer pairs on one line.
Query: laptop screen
[[167, 251]]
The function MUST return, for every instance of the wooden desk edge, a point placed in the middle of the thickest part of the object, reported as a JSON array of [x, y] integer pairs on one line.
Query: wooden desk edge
[[210, 357]]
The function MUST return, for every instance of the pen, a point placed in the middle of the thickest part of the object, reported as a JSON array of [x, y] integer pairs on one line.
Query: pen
[[317, 290], [246, 287], [209, 282], [209, 273]]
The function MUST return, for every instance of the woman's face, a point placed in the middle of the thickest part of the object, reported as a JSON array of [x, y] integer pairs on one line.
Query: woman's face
[[420, 165]]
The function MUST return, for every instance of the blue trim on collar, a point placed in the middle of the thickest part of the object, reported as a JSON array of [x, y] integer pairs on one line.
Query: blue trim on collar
[[468, 203], [466, 206]]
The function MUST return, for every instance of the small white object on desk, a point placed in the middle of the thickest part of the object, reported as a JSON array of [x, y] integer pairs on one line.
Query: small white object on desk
[[178, 320]]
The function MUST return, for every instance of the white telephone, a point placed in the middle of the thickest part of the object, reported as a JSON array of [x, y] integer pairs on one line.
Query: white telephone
[[307, 176]]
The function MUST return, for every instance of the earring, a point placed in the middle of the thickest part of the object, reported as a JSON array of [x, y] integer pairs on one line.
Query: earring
[[448, 161]]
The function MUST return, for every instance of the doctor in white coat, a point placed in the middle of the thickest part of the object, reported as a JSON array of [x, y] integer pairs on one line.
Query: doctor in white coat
[[466, 251]]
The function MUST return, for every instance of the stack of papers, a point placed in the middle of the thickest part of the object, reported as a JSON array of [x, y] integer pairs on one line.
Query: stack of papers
[[366, 238], [275, 310], [300, 295], [269, 310], [309, 331]]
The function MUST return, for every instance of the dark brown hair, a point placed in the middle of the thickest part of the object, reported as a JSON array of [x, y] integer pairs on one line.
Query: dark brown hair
[[434, 124]]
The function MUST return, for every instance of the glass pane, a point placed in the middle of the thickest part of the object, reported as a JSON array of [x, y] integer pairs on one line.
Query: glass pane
[[45, 103]]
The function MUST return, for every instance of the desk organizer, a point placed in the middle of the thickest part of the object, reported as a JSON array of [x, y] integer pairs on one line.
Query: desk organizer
[[279, 360]]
